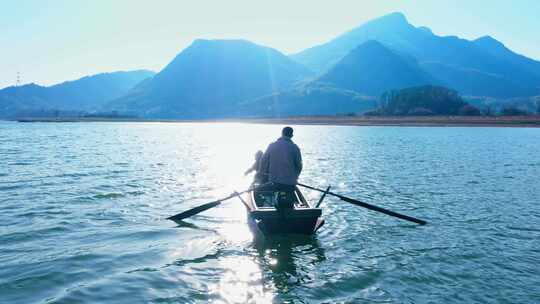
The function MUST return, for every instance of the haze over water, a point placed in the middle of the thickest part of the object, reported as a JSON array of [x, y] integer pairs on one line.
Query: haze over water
[[83, 208]]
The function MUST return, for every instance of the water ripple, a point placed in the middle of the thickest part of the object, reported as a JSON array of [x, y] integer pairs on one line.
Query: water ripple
[[82, 209]]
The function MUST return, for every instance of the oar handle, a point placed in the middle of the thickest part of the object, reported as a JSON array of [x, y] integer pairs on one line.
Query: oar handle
[[369, 206]]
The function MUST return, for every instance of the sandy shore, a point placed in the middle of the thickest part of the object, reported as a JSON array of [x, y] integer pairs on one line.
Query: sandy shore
[[422, 121]]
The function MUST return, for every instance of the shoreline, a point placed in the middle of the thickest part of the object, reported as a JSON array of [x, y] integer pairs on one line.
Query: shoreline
[[532, 121]]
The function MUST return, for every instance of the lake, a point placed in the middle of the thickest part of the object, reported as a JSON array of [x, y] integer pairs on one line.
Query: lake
[[83, 208]]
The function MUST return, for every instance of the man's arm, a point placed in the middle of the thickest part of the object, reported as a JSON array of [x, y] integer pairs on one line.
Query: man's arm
[[251, 169]]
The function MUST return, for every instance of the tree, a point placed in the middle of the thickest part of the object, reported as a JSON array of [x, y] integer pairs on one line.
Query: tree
[[513, 111], [469, 110], [373, 113], [420, 112], [427, 100], [488, 111]]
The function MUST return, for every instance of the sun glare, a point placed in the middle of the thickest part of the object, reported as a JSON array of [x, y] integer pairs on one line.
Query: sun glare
[[241, 283]]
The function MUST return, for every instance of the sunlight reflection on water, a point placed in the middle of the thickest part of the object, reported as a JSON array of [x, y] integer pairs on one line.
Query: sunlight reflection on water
[[242, 282]]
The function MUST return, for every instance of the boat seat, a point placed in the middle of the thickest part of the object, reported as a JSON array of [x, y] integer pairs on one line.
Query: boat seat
[[285, 200]]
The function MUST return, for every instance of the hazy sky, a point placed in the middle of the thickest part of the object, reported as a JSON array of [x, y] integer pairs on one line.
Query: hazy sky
[[50, 41]]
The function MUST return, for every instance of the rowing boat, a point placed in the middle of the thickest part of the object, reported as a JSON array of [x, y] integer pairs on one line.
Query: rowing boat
[[300, 217], [293, 214]]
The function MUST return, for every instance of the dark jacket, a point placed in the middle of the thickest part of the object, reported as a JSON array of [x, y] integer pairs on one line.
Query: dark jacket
[[282, 162]]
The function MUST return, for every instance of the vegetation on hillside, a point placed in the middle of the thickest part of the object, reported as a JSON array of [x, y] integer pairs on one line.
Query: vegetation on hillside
[[508, 106], [423, 100], [314, 98]]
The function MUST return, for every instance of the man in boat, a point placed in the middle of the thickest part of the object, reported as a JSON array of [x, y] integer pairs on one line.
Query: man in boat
[[281, 164]]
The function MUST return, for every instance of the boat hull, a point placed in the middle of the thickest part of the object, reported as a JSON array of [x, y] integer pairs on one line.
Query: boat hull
[[265, 219]]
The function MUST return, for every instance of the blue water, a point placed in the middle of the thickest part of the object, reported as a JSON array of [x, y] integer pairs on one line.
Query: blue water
[[83, 208]]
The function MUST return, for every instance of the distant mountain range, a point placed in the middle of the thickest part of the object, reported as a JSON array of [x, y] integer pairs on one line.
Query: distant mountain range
[[86, 94], [483, 67], [229, 78]]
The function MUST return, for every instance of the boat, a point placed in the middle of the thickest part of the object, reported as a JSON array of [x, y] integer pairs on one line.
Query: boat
[[299, 217], [293, 214]]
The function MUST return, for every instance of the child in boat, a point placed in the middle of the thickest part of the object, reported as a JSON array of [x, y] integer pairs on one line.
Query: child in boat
[[255, 167]]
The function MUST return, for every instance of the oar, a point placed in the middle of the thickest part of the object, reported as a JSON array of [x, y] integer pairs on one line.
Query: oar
[[369, 206], [201, 208]]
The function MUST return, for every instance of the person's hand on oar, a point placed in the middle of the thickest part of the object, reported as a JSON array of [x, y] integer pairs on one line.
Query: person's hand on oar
[[368, 206]]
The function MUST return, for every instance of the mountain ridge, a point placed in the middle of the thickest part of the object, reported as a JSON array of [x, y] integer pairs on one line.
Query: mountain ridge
[[224, 77], [372, 69], [87, 93], [465, 59], [210, 77]]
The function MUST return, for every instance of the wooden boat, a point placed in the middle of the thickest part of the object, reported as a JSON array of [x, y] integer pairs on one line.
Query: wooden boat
[[299, 218]]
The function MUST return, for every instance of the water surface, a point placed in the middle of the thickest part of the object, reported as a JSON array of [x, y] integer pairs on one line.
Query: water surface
[[82, 208]]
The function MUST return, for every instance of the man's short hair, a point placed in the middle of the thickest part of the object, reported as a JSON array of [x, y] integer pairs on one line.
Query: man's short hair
[[287, 131]]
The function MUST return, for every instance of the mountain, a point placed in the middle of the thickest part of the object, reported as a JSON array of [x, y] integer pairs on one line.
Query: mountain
[[372, 69], [348, 87], [500, 51], [471, 67], [390, 30], [210, 78], [85, 94]]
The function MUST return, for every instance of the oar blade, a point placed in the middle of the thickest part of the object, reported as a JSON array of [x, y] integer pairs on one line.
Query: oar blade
[[194, 211]]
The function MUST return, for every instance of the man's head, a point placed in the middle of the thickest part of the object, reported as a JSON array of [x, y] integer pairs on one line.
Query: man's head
[[287, 132]]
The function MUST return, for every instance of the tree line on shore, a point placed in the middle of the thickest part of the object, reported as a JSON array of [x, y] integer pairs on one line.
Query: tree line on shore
[[437, 100]]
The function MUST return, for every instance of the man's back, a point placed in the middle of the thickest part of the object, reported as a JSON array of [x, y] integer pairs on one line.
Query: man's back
[[282, 162]]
